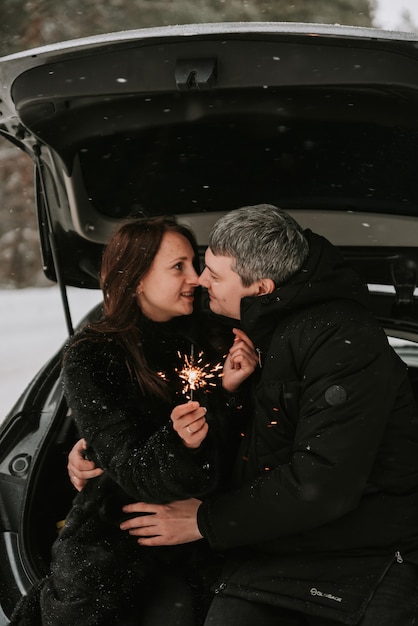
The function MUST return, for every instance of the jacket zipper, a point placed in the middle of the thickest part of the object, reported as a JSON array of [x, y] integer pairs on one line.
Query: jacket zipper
[[258, 350], [398, 557]]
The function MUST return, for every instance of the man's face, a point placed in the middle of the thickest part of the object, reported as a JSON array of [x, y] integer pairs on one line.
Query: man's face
[[224, 286]]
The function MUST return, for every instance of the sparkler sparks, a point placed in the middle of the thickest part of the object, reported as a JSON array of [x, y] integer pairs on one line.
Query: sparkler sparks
[[196, 374]]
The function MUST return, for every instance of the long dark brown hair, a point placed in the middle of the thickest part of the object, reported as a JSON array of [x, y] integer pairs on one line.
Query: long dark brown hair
[[126, 260]]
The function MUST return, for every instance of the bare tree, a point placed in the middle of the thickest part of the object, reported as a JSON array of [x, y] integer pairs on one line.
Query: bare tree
[[20, 261]]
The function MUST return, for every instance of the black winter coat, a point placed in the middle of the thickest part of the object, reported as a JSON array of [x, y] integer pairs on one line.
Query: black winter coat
[[325, 493], [99, 574]]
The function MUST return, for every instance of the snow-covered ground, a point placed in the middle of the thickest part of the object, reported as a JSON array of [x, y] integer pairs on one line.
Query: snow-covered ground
[[32, 328]]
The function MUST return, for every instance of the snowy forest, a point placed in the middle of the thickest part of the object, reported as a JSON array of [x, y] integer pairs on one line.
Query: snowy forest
[[30, 24]]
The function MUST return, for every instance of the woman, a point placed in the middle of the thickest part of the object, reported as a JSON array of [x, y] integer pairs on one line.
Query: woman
[[122, 383]]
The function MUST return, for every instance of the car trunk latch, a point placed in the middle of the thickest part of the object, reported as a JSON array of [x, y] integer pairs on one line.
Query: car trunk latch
[[195, 74]]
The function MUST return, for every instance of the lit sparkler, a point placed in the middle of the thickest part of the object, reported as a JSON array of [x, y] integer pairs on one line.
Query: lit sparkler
[[196, 374]]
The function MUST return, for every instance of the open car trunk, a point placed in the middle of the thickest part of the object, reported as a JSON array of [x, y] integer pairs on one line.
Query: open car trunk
[[197, 120]]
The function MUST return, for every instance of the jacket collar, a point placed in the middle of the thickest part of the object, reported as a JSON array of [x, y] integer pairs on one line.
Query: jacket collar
[[324, 277]]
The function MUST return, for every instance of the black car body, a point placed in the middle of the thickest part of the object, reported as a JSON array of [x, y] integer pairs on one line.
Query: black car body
[[197, 120]]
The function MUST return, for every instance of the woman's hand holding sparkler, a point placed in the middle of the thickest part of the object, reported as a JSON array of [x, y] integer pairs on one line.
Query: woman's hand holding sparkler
[[190, 423], [240, 363]]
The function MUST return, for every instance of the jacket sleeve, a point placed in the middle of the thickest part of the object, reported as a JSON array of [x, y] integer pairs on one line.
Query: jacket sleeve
[[149, 463], [346, 394]]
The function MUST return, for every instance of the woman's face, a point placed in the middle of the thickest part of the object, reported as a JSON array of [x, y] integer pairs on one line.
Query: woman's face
[[167, 290]]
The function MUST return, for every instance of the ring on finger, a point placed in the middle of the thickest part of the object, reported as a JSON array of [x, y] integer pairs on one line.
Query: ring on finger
[[189, 430]]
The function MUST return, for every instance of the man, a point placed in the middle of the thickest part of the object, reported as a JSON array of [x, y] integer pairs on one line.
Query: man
[[320, 523]]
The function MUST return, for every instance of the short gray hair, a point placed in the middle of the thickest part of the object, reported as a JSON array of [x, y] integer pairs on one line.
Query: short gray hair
[[263, 240]]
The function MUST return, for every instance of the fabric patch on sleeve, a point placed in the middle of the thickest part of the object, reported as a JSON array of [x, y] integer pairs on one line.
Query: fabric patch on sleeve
[[336, 394]]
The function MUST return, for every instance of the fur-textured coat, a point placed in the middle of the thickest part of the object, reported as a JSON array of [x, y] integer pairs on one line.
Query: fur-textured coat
[[100, 574]]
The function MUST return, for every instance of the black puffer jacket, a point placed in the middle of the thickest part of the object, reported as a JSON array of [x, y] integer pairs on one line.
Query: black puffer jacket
[[99, 574], [326, 485]]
